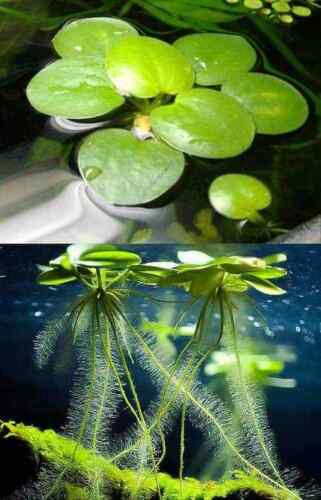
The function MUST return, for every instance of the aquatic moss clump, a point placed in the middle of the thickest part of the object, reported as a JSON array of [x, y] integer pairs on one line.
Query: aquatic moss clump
[[59, 452]]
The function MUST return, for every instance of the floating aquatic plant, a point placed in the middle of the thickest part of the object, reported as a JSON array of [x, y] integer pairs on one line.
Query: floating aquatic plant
[[107, 347], [241, 197], [219, 284], [145, 89]]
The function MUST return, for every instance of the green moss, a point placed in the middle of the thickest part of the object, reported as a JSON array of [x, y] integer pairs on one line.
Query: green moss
[[73, 492], [59, 451]]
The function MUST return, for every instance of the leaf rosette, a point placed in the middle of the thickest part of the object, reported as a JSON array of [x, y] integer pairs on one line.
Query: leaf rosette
[[80, 262], [195, 97]]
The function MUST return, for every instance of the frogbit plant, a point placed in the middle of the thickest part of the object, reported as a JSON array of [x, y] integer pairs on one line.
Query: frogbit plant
[[108, 349], [220, 285], [196, 97], [241, 198]]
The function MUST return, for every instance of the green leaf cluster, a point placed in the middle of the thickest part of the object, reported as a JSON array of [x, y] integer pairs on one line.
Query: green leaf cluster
[[232, 274], [197, 96], [81, 261], [198, 273]]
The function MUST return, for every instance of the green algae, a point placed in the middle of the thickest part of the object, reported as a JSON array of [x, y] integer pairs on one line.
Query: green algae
[[59, 451]]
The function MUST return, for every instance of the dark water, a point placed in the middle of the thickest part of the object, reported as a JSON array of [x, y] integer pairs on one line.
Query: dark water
[[290, 165], [41, 398]]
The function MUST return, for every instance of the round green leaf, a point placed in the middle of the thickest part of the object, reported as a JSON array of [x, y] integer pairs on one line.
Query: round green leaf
[[56, 276], [90, 37], [238, 196], [102, 255], [277, 107], [128, 171], [73, 88], [216, 57], [145, 67], [205, 123]]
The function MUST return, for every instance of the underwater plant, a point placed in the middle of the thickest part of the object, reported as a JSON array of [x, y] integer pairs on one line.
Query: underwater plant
[[219, 284], [58, 450], [261, 363], [262, 366], [196, 97], [95, 328], [107, 347]]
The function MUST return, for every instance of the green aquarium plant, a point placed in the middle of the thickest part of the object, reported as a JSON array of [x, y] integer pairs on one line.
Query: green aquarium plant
[[218, 15], [100, 336], [262, 364], [241, 197], [95, 327], [220, 285], [59, 451], [197, 96]]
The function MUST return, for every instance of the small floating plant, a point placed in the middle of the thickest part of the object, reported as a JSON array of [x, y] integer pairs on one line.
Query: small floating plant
[[241, 198], [161, 103], [86, 460]]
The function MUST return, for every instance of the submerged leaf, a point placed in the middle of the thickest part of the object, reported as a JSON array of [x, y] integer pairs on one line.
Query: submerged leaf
[[164, 330], [238, 196], [216, 57], [263, 285], [204, 123], [133, 171], [277, 107], [108, 256], [145, 67], [276, 258], [151, 274], [238, 264], [205, 281], [90, 37], [56, 276], [269, 273], [73, 88]]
